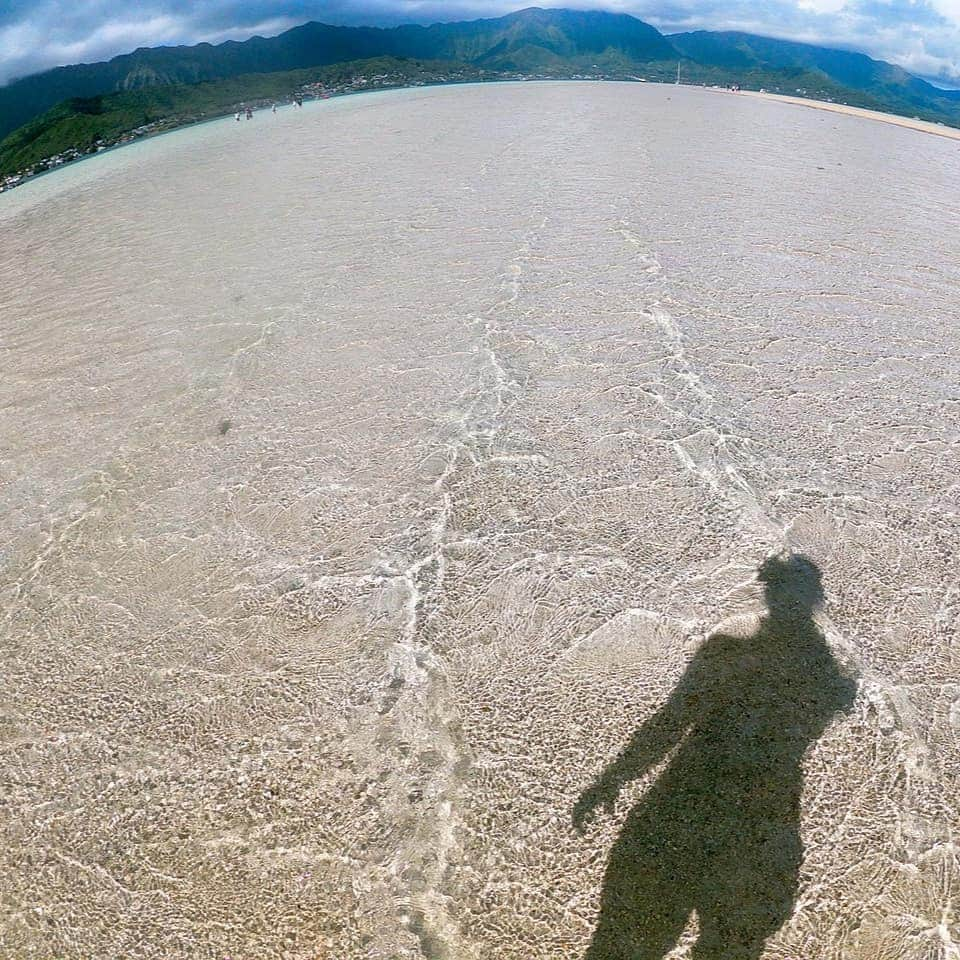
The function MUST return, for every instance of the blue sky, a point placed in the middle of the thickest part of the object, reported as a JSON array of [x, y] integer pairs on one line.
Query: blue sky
[[921, 35]]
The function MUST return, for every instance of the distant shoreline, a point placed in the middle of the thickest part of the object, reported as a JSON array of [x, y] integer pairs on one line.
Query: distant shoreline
[[921, 126]]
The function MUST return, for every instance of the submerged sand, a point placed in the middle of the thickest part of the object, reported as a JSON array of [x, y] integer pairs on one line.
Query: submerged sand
[[371, 473]]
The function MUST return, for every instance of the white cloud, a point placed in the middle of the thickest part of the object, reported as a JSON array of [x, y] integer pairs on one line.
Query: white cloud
[[822, 6], [266, 28], [948, 8], [33, 45]]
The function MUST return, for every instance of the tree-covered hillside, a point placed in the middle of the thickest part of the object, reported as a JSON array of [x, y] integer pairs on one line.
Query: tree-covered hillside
[[81, 123], [889, 86], [525, 40], [76, 109], [553, 41]]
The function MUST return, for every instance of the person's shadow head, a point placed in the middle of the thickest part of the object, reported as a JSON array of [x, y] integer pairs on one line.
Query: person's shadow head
[[716, 834], [792, 585]]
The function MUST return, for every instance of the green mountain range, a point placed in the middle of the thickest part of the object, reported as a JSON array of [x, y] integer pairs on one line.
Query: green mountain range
[[883, 81], [53, 110], [526, 40]]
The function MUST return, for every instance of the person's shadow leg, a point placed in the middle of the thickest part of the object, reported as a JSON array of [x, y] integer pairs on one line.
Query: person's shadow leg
[[747, 898], [721, 939], [647, 893], [623, 934]]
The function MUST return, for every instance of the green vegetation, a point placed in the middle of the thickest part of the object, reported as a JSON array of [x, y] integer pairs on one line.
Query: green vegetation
[[841, 75], [527, 40], [90, 106], [80, 124]]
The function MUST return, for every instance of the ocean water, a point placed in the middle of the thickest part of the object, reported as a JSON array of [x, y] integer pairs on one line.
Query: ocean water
[[371, 472]]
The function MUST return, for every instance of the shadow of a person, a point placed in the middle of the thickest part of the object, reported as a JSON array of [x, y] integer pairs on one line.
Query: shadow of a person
[[718, 832]]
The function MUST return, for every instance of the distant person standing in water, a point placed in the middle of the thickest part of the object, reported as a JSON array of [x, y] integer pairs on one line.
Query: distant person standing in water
[[249, 113], [238, 116], [274, 109], [718, 831]]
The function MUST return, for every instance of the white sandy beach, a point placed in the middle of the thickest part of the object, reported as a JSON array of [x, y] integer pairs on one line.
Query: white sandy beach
[[923, 126]]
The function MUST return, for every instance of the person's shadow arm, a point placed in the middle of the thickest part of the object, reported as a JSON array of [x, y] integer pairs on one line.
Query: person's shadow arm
[[654, 739]]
